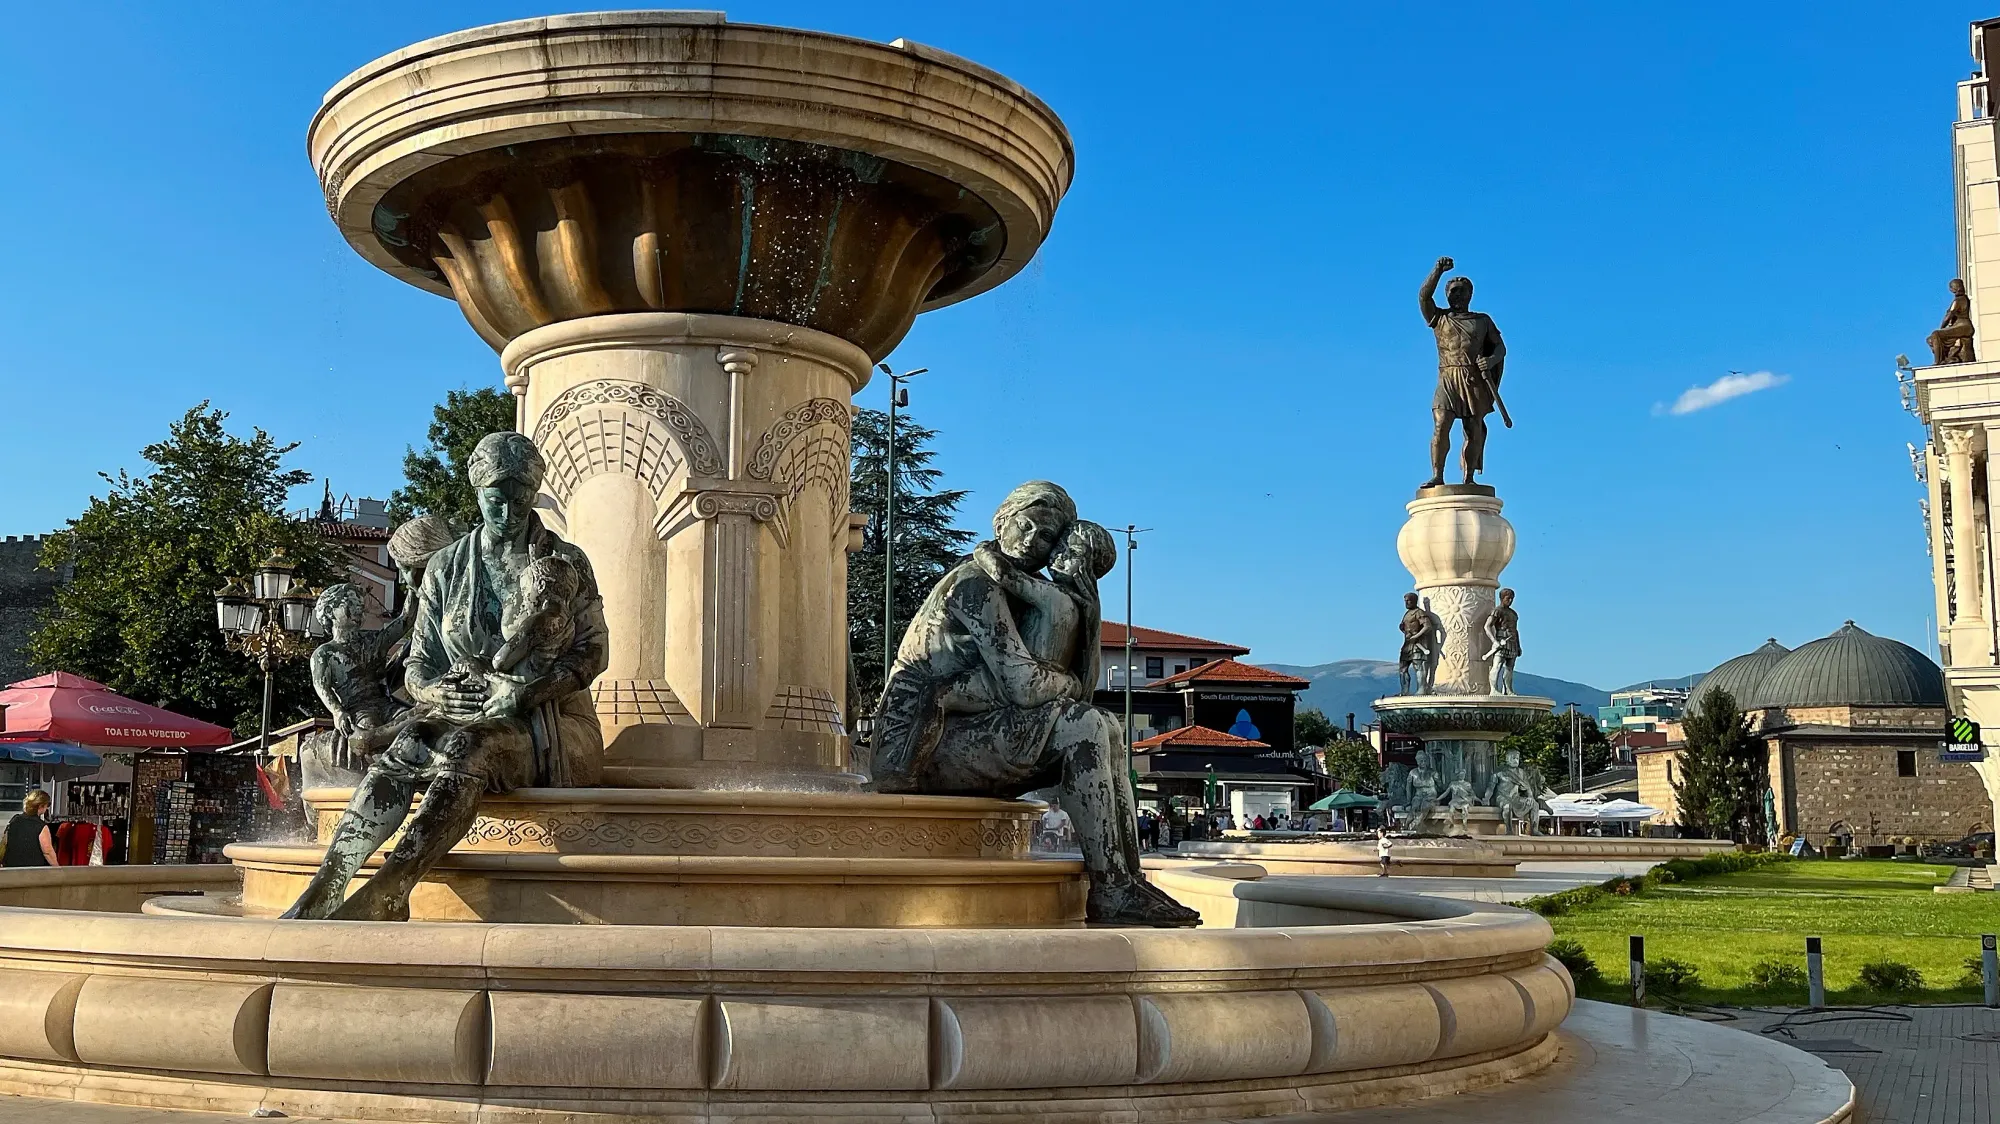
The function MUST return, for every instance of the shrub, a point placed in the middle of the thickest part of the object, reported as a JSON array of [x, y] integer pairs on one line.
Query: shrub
[[1669, 976], [1974, 975], [1776, 975], [1891, 976], [1569, 952]]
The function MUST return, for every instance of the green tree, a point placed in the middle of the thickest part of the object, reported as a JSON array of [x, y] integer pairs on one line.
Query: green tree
[[1311, 726], [1722, 771], [435, 477], [926, 542], [1545, 744], [147, 558], [1352, 763]]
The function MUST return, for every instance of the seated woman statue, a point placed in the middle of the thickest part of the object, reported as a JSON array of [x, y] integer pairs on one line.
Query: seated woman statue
[[989, 695], [475, 729]]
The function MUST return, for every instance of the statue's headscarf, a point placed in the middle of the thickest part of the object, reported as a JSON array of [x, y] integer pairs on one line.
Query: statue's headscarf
[[506, 456], [1035, 493]]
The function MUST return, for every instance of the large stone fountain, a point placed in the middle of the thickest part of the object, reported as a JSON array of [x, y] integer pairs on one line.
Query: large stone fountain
[[690, 240]]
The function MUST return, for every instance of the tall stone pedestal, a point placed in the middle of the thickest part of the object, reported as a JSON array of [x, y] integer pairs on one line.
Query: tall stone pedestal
[[1455, 545]]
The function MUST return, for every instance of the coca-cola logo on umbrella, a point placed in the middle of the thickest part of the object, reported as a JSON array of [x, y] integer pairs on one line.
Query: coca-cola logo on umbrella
[[101, 704]]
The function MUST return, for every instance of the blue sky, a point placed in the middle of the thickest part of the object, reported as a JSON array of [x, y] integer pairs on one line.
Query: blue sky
[[1221, 333]]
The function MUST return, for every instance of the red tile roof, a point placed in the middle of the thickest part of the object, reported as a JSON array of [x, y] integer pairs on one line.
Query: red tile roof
[[1191, 737], [1230, 671], [1113, 636]]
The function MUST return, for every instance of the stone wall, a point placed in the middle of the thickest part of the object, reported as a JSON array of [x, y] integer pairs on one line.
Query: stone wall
[[1856, 784], [25, 590], [1656, 787]]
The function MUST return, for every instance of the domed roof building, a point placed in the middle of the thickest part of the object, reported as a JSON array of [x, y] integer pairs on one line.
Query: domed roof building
[[1850, 725], [1849, 668], [1741, 676]]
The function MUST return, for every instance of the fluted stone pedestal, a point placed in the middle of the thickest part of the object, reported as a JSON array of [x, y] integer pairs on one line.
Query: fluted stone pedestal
[[1455, 545]]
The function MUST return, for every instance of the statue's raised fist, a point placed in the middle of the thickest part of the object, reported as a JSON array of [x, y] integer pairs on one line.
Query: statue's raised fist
[[1445, 263]]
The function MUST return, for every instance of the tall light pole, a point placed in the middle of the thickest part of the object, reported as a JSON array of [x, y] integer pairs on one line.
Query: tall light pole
[[898, 396], [1576, 746], [1131, 544], [268, 618]]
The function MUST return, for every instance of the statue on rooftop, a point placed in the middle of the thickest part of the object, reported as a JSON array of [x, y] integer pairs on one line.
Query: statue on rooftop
[[1503, 633], [990, 695], [508, 633], [1952, 342], [1471, 357]]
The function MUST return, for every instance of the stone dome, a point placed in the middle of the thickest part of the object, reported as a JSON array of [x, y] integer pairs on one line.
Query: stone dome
[[1851, 668], [1743, 675]]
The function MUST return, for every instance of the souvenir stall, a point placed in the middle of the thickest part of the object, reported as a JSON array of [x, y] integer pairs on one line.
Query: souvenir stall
[[146, 803]]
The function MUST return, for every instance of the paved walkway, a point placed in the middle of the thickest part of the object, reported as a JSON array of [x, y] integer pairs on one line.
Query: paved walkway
[[1911, 1065]]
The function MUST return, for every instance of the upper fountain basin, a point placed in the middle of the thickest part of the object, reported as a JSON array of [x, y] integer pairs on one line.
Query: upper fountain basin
[[544, 169]]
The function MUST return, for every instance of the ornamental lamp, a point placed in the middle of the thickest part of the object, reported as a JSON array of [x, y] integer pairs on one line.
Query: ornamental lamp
[[231, 607], [274, 577], [297, 615]]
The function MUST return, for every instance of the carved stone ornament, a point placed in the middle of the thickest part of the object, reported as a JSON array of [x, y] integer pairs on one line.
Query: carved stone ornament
[[762, 508], [696, 443]]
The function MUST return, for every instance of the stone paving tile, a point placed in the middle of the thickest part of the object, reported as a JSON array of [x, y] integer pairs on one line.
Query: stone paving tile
[[1922, 1070]]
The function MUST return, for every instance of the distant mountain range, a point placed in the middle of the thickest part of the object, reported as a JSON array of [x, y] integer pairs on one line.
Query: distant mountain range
[[1346, 686]]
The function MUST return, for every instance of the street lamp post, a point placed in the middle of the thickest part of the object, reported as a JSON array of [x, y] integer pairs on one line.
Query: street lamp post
[[1132, 532], [269, 619], [898, 396]]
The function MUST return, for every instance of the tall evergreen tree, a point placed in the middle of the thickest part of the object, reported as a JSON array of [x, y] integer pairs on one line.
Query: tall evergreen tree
[[1723, 771], [139, 612], [435, 477], [926, 542]]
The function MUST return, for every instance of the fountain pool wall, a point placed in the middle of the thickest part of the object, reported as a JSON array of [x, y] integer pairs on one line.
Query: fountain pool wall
[[1322, 1000]]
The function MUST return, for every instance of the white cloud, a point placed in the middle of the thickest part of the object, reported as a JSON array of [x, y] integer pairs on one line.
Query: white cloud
[[1732, 385]]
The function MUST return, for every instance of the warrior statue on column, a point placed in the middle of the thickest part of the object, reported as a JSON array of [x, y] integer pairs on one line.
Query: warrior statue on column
[[1470, 358]]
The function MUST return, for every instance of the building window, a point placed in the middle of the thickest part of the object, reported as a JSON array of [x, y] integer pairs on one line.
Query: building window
[[1156, 666], [1906, 762], [1670, 770], [1179, 667]]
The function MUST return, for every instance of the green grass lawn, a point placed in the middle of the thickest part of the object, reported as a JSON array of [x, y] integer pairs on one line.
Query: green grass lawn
[[1863, 909]]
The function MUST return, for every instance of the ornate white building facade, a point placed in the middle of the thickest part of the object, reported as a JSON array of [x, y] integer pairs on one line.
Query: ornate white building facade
[[1960, 403]]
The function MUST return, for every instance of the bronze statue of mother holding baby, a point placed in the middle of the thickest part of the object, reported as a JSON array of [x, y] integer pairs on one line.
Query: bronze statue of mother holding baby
[[507, 636]]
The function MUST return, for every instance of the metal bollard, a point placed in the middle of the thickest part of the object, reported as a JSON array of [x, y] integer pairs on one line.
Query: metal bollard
[[1638, 971], [1989, 967], [1815, 975]]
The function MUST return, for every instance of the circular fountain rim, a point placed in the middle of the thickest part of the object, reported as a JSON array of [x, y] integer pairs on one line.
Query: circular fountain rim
[[933, 111]]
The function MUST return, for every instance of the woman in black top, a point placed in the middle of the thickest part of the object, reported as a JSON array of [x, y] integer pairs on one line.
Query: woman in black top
[[28, 842]]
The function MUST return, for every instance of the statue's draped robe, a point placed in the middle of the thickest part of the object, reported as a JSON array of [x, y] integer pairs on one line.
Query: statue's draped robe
[[968, 621], [459, 618]]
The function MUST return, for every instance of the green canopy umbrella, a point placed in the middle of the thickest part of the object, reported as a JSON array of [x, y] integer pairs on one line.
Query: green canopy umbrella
[[1345, 798]]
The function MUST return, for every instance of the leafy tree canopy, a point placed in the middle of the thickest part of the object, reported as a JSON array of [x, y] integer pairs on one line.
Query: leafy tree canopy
[[1546, 745], [926, 542], [1352, 763], [435, 477], [148, 556], [1311, 726]]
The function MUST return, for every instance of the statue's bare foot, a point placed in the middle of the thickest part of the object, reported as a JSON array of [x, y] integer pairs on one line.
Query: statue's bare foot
[[1434, 482], [1133, 903]]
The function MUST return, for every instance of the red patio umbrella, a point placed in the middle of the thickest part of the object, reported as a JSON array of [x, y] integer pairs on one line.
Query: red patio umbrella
[[70, 708]]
